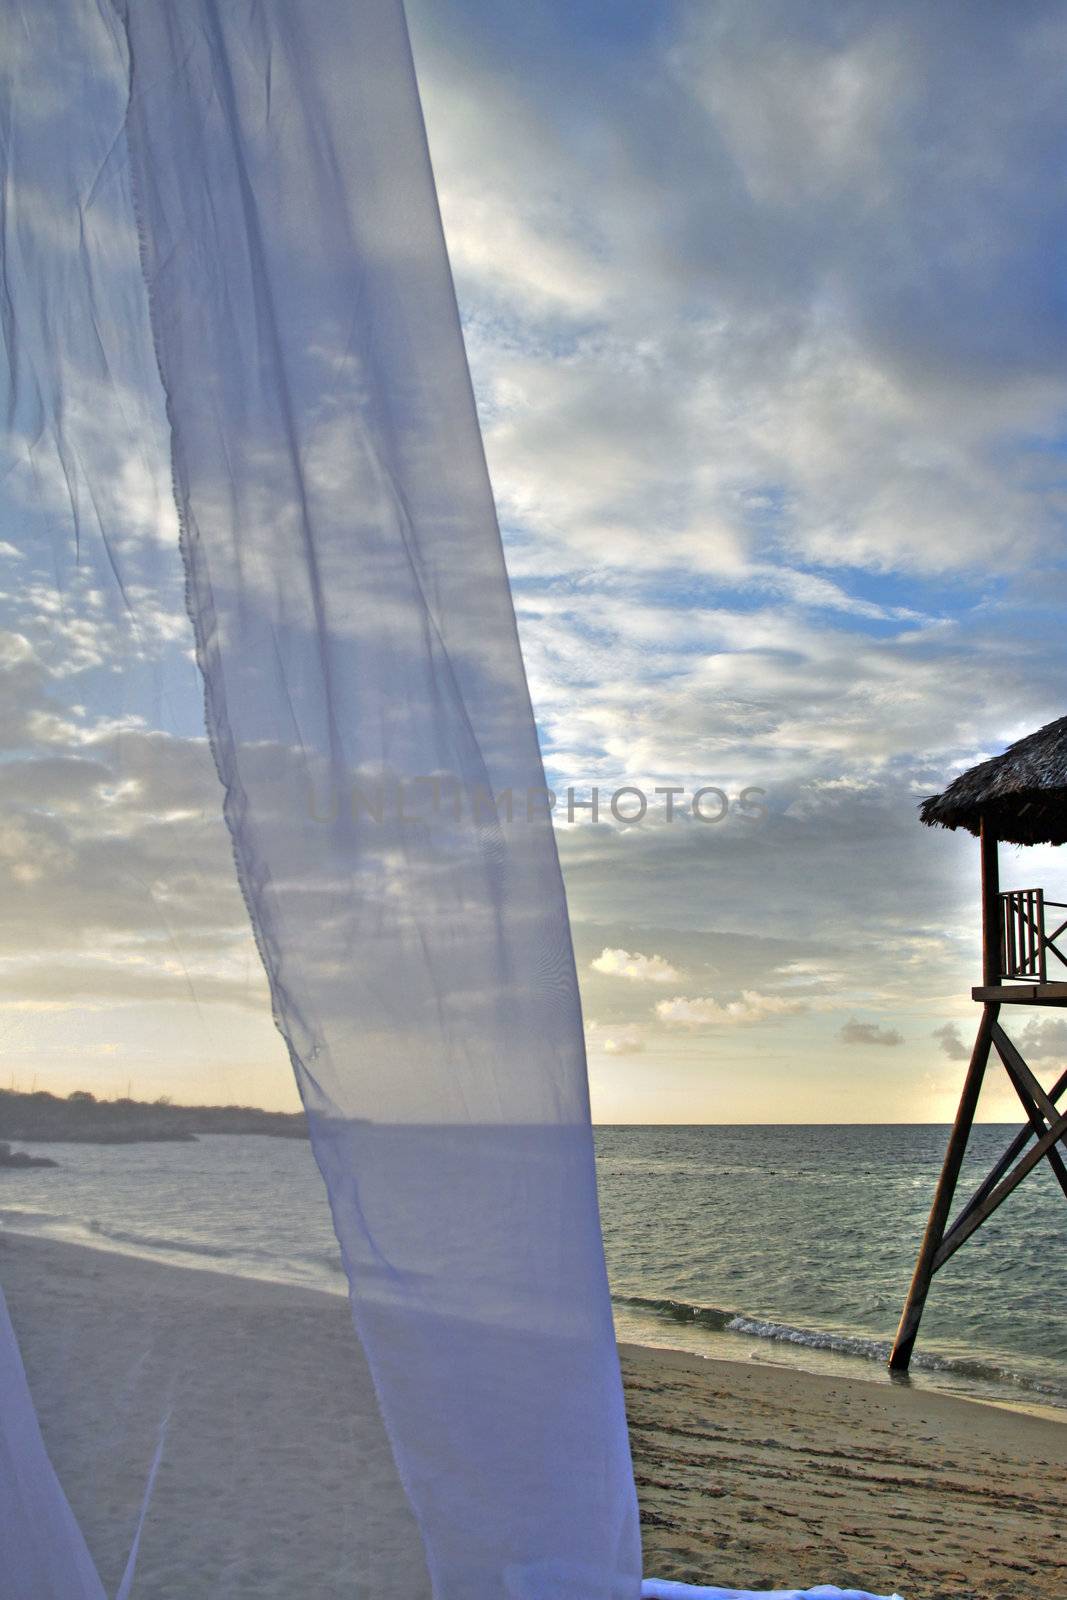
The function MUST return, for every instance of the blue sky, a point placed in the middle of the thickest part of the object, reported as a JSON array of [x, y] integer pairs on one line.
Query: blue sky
[[765, 309]]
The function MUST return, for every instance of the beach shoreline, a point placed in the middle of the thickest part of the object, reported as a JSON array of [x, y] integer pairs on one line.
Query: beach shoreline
[[766, 1283], [765, 1343], [748, 1472]]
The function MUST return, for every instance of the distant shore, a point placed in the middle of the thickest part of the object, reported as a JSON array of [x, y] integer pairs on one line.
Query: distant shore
[[79, 1118], [747, 1473]]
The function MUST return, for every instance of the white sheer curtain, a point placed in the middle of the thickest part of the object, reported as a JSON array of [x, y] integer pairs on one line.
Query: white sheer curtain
[[355, 631], [368, 715], [371, 725]]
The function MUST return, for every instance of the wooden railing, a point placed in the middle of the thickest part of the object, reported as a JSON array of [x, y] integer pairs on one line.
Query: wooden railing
[[1025, 940]]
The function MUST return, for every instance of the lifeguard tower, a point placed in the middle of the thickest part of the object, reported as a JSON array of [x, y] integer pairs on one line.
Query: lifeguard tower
[[1019, 797]]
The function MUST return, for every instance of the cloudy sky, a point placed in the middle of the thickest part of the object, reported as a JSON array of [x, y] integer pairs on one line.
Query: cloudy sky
[[766, 312]]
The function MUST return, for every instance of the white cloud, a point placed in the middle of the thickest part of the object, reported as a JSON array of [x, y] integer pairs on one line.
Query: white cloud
[[774, 311], [752, 1007], [638, 968], [624, 1039], [801, 974]]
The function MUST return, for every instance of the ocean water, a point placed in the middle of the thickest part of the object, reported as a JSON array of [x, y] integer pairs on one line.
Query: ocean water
[[777, 1244], [797, 1244]]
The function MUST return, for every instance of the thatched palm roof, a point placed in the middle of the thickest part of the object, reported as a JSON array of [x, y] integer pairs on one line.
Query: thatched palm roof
[[1022, 793]]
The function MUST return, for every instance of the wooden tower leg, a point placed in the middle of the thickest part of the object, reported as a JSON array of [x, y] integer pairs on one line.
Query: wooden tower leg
[[946, 1188]]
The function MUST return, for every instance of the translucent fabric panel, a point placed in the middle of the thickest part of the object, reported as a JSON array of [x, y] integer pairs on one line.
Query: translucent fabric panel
[[371, 723], [42, 1547]]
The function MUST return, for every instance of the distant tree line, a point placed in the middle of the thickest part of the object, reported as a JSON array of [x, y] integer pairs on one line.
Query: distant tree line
[[81, 1118]]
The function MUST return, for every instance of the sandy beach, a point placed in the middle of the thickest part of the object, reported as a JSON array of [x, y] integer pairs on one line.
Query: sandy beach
[[768, 1475], [747, 1473]]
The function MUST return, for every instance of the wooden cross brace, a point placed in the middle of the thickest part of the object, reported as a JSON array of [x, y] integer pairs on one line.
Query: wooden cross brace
[[1045, 1123]]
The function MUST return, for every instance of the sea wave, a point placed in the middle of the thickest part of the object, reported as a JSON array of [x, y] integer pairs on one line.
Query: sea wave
[[23, 1217], [718, 1320], [150, 1241], [319, 1268]]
